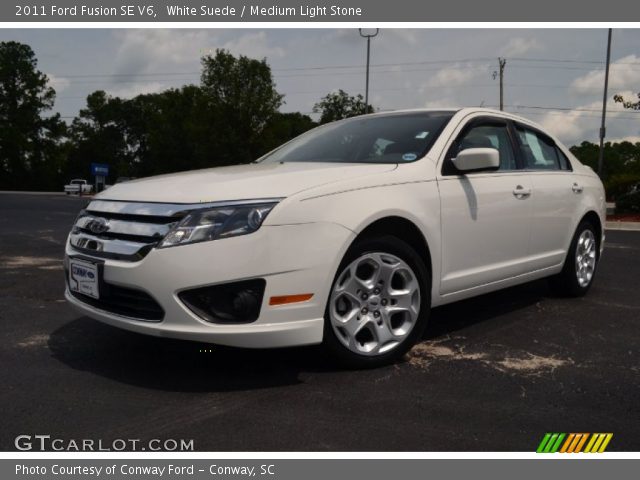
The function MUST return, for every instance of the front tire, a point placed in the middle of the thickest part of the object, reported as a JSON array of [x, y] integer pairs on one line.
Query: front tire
[[379, 303], [580, 265]]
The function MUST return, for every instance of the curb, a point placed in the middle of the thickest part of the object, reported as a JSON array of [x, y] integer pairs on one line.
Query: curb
[[623, 226], [24, 192], [57, 194]]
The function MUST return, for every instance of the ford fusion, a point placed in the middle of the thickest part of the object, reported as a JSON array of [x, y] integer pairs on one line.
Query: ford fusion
[[347, 235]]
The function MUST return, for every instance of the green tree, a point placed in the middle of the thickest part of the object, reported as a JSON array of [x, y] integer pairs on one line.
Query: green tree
[[621, 168], [240, 99], [29, 141], [282, 128], [169, 131], [97, 135], [339, 105], [627, 103]]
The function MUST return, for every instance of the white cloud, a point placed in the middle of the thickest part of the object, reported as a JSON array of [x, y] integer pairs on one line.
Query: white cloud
[[583, 123], [449, 77], [630, 138], [253, 45], [519, 46], [342, 36], [58, 83], [410, 37], [448, 80], [148, 49], [144, 54], [103, 53], [623, 74], [441, 103]]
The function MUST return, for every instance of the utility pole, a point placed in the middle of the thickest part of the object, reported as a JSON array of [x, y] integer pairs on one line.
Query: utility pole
[[368, 37], [604, 107], [502, 62]]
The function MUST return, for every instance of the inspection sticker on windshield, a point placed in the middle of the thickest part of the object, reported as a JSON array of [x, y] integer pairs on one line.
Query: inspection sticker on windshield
[[409, 157], [83, 278]]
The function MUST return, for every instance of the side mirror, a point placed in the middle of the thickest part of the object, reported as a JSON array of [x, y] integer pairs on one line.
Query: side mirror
[[477, 159]]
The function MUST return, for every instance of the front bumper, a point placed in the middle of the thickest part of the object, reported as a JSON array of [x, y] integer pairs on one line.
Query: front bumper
[[293, 259]]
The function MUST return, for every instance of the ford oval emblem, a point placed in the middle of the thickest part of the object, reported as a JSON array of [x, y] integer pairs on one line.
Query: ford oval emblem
[[98, 225]]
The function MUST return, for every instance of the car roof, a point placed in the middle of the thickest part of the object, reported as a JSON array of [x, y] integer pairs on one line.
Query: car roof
[[463, 112]]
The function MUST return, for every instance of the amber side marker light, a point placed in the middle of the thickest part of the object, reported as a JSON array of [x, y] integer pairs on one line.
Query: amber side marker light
[[286, 299]]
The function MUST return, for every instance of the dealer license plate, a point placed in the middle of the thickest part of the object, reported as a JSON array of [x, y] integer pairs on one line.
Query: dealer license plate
[[83, 277]]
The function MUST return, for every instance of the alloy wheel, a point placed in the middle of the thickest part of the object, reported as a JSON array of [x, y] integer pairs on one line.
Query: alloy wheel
[[375, 303], [585, 258]]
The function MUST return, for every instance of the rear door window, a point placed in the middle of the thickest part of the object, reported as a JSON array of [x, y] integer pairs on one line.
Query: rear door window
[[538, 150]]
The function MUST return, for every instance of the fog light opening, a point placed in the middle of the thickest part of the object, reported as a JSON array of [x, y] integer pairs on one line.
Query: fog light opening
[[237, 302]]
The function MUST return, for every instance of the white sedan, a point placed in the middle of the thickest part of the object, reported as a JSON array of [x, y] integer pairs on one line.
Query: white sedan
[[347, 235]]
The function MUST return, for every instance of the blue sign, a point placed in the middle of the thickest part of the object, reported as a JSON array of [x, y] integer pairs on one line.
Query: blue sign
[[99, 169]]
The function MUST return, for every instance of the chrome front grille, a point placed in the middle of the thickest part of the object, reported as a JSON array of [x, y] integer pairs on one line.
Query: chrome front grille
[[124, 230], [129, 230]]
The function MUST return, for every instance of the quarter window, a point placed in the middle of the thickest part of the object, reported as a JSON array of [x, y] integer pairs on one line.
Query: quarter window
[[565, 164]]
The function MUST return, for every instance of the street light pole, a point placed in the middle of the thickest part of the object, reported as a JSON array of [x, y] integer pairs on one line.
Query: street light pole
[[502, 62], [368, 37], [604, 107]]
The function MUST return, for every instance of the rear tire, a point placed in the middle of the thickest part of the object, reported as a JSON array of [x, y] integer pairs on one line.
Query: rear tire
[[379, 303], [581, 263]]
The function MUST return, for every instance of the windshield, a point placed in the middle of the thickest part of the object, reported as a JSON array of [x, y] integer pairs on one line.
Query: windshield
[[393, 138]]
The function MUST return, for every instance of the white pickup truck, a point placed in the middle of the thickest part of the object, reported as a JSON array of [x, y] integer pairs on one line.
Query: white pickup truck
[[78, 186]]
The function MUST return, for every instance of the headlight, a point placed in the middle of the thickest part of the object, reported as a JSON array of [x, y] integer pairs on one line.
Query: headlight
[[215, 223]]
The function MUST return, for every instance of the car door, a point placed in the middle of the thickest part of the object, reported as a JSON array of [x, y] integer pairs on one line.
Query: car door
[[485, 215], [556, 194]]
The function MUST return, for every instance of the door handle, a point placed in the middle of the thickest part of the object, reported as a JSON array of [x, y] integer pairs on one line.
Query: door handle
[[521, 192], [577, 188]]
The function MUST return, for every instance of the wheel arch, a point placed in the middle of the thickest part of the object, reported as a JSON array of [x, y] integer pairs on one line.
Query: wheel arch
[[402, 228], [592, 217]]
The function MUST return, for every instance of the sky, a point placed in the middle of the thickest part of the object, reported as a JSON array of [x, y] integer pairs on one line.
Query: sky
[[554, 77]]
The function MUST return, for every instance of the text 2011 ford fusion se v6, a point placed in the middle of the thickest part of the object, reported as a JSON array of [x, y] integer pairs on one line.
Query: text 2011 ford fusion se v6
[[346, 235]]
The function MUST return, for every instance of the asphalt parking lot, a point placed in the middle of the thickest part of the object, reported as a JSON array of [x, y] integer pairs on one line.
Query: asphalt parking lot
[[493, 373]]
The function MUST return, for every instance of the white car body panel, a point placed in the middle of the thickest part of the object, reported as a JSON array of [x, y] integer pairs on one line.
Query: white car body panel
[[239, 182], [483, 220], [479, 235]]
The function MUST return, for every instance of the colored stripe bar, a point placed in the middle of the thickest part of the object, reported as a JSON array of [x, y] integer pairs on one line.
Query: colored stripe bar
[[567, 442], [550, 443], [607, 439], [581, 442], [556, 446], [576, 439], [596, 446], [594, 436], [574, 442], [543, 443]]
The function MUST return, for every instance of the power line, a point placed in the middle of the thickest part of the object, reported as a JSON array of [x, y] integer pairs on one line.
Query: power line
[[289, 69], [566, 109], [405, 89], [379, 65], [120, 78], [567, 60], [556, 113]]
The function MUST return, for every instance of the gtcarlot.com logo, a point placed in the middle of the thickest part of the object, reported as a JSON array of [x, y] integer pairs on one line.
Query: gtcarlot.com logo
[[574, 442], [43, 443]]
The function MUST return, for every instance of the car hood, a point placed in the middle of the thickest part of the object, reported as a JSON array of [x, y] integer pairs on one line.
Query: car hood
[[240, 182]]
